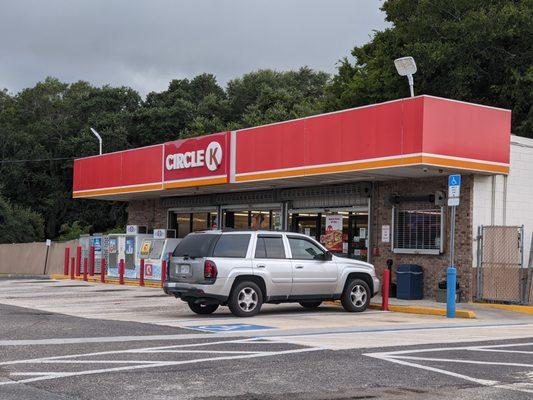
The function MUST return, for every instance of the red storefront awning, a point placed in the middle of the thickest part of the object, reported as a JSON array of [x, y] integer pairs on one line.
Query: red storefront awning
[[414, 137]]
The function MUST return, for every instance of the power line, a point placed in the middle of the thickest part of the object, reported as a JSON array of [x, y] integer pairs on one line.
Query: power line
[[36, 160]]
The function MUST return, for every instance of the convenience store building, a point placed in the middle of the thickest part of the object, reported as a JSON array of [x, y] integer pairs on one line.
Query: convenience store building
[[369, 182]]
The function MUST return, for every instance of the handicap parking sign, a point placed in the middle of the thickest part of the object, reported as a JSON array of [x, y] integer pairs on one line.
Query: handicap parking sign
[[229, 327]]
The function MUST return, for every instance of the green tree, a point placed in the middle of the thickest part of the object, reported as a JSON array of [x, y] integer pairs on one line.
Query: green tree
[[268, 96], [19, 224], [472, 50], [51, 121]]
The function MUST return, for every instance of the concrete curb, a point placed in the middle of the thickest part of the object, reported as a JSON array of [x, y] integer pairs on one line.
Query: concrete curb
[[108, 280], [22, 276], [508, 307], [418, 310], [426, 311]]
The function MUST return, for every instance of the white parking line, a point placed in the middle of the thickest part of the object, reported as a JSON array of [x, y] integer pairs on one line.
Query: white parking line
[[400, 357], [45, 375]]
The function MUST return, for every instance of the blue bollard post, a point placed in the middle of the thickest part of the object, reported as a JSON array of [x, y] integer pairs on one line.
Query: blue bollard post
[[450, 291]]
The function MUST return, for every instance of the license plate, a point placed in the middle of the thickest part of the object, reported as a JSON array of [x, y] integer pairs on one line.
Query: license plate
[[185, 269]]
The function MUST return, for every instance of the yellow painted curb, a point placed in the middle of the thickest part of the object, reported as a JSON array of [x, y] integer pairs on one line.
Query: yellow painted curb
[[418, 310], [508, 307], [109, 280]]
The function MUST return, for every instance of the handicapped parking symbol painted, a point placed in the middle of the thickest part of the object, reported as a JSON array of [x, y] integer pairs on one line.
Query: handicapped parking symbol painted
[[229, 327]]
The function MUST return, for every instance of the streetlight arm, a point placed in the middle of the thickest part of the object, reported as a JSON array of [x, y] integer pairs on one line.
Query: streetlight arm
[[99, 138]]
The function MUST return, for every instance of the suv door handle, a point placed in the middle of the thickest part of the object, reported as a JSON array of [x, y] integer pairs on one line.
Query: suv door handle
[[299, 266], [261, 266]]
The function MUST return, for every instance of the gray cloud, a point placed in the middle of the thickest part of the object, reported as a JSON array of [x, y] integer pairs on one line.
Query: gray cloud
[[145, 44]]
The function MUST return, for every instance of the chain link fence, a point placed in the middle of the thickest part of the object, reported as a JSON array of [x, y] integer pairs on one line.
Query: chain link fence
[[501, 273]]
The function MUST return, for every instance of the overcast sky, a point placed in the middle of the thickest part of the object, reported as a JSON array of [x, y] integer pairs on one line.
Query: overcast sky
[[145, 44]]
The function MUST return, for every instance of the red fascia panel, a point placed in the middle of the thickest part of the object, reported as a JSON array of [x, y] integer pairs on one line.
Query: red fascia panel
[[382, 130], [466, 130], [122, 168]]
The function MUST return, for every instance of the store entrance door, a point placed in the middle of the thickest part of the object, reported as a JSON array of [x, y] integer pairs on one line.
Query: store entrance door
[[308, 225], [347, 238], [358, 236]]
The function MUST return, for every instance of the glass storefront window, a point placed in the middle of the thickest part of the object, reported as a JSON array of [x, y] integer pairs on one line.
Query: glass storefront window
[[183, 224], [199, 222], [254, 219]]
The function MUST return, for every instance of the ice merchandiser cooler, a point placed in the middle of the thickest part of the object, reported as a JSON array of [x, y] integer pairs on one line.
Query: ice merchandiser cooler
[[125, 246], [154, 250]]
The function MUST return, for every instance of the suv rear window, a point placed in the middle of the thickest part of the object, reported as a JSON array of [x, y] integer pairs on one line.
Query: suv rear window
[[235, 245], [196, 245]]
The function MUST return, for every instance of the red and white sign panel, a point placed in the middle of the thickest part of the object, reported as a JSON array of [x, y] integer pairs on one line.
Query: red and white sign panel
[[197, 158]]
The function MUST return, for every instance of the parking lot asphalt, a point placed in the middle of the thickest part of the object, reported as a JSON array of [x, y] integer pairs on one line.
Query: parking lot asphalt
[[287, 352]]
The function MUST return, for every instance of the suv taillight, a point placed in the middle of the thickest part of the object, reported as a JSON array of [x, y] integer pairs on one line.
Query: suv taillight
[[210, 270]]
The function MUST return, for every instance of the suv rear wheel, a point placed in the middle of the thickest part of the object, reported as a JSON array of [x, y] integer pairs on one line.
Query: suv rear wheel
[[245, 299], [200, 308], [356, 296], [310, 304]]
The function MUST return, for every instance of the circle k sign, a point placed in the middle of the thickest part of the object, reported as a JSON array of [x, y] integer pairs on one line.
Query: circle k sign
[[210, 157]]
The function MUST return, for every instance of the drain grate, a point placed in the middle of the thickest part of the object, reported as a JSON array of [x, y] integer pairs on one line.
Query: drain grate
[[111, 290], [150, 295]]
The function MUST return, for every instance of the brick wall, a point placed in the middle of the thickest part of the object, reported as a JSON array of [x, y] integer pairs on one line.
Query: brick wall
[[434, 265], [147, 213]]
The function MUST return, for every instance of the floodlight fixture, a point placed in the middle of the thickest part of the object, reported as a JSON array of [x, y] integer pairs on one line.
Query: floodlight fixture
[[406, 66]]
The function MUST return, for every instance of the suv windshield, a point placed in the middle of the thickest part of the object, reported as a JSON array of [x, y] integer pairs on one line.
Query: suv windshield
[[195, 245]]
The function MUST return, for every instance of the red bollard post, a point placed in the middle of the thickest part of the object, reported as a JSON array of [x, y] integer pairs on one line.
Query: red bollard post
[[72, 267], [67, 259], [385, 290], [121, 272], [85, 262], [102, 270], [163, 272], [78, 260], [91, 261], [141, 273]]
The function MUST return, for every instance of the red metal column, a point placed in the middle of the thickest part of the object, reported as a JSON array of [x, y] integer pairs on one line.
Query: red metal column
[[91, 261], [121, 272], [85, 266], [67, 258], [141, 273], [78, 260], [72, 267], [102, 270], [385, 290], [163, 272]]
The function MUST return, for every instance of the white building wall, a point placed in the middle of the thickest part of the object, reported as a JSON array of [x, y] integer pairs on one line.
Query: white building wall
[[501, 200]]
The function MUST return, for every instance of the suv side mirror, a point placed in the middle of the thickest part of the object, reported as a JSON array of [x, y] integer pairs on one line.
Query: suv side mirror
[[327, 256]]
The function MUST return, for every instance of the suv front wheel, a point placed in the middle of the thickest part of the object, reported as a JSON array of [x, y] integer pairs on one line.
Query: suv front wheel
[[356, 296], [245, 299]]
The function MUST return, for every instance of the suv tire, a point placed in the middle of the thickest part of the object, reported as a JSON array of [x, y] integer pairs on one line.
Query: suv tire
[[310, 304], [245, 299], [356, 296], [202, 309]]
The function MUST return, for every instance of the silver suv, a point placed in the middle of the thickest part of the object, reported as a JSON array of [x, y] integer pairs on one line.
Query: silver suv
[[244, 269]]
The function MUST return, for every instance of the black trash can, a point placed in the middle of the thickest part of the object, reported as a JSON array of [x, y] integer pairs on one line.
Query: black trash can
[[410, 281]]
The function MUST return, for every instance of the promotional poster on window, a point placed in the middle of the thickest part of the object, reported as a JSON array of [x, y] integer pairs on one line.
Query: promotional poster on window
[[332, 239]]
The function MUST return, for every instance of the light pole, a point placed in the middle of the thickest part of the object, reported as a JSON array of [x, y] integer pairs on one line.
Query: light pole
[[406, 66], [99, 138]]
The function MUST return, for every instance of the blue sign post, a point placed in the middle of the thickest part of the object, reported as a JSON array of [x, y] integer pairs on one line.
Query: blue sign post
[[454, 192]]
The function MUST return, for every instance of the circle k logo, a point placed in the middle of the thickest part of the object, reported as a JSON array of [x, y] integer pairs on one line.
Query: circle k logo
[[211, 158]]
